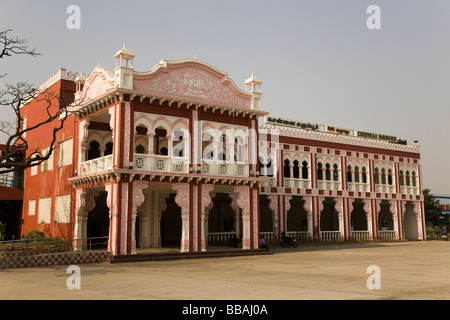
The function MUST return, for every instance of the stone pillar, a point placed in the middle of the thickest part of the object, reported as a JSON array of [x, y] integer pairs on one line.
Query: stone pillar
[[243, 202], [273, 205], [206, 201], [137, 201], [308, 206], [84, 202], [183, 200]]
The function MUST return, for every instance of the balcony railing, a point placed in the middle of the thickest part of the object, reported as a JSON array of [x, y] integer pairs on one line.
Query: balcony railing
[[330, 236], [387, 234], [96, 165], [151, 162], [360, 235], [383, 188], [357, 186], [223, 168], [328, 185], [297, 183], [409, 190]]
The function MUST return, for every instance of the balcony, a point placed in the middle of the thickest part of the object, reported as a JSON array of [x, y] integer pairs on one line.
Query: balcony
[[409, 190], [151, 162], [328, 185], [297, 183], [358, 187], [96, 165], [223, 168], [383, 188]]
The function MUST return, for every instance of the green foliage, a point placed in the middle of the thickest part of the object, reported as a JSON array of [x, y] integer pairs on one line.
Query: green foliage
[[34, 235], [2, 230], [432, 210], [436, 230]]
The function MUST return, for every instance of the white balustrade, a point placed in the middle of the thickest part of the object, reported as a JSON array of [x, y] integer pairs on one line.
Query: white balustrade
[[357, 186], [360, 235], [330, 235], [149, 162], [223, 168], [297, 183], [219, 237], [96, 165], [387, 234], [328, 185]]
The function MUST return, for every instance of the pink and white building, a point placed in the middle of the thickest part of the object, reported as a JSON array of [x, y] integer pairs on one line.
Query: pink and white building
[[178, 156]]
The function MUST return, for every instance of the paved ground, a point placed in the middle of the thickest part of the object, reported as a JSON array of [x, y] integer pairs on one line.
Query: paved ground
[[408, 270]]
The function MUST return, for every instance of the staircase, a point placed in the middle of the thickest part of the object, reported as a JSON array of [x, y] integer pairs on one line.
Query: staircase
[[183, 255]]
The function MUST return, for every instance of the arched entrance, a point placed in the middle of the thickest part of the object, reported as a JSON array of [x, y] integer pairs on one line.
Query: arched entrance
[[222, 215], [297, 219], [265, 214], [98, 223], [358, 219], [170, 225], [329, 220], [410, 222], [385, 219]]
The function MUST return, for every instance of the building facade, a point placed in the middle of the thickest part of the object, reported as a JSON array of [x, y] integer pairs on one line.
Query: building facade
[[177, 156]]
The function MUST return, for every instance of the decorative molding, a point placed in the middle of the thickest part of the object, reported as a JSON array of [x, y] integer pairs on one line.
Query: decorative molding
[[191, 80]]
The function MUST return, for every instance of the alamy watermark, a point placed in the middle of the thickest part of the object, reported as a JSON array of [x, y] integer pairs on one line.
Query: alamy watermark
[[374, 20], [74, 280], [73, 22], [374, 280]]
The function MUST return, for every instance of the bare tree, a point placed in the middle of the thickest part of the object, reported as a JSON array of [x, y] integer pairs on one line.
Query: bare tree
[[13, 46], [18, 153]]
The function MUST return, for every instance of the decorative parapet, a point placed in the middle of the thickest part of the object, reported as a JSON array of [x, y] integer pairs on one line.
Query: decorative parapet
[[342, 139]]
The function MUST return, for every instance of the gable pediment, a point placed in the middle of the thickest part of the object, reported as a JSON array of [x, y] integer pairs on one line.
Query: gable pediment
[[192, 81], [98, 83]]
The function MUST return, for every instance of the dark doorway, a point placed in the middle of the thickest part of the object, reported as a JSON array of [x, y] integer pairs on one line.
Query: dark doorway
[[221, 216], [297, 219], [358, 218], [328, 217], [98, 223], [171, 223], [265, 214]]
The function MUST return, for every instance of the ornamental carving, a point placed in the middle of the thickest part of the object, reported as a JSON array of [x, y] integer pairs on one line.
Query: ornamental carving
[[206, 197], [243, 200], [182, 197], [97, 84], [192, 81]]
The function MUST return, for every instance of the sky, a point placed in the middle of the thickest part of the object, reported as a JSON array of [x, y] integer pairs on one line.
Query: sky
[[318, 60]]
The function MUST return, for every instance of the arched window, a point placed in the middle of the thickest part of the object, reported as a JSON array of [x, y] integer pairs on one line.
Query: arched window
[[390, 182], [223, 148], [178, 143], [327, 172], [357, 174], [305, 170], [94, 150], [109, 148], [319, 171], [160, 141], [408, 183], [376, 176], [262, 171], [287, 169], [349, 173], [364, 175], [269, 167], [402, 182], [239, 150], [335, 172], [140, 149], [383, 176], [296, 170], [414, 181]]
